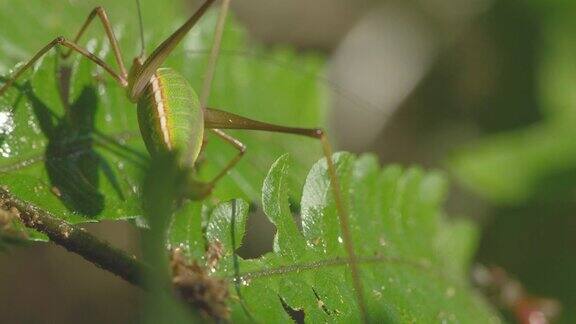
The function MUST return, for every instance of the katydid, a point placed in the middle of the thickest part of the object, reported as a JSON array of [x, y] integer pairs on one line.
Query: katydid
[[172, 117]]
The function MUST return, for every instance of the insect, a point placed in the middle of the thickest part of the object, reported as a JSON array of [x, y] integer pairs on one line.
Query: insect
[[172, 117]]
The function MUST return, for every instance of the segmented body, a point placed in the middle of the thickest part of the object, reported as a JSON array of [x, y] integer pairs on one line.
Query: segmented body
[[168, 113]]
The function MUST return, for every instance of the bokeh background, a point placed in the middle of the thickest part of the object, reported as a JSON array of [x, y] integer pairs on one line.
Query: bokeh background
[[483, 89]]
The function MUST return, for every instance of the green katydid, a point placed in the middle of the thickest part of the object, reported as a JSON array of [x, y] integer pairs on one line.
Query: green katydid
[[171, 115]]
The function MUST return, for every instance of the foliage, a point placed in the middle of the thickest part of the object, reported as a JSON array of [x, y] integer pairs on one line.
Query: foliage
[[414, 262], [70, 144], [528, 173]]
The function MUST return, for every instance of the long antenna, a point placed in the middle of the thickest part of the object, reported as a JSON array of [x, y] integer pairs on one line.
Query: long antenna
[[214, 54], [212, 61], [143, 48]]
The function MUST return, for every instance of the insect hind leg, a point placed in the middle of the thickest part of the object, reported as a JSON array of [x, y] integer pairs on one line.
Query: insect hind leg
[[214, 118]]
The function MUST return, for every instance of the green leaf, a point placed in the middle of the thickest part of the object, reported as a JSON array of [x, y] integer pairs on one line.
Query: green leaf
[[288, 240], [78, 153], [413, 261], [227, 220]]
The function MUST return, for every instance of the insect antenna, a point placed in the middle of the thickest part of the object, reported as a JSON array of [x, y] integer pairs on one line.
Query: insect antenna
[[141, 23], [214, 54], [212, 60]]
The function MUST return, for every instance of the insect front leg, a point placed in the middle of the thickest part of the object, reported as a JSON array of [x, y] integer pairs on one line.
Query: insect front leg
[[101, 13], [72, 46]]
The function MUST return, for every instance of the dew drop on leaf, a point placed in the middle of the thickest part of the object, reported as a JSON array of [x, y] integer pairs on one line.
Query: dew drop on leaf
[[6, 122], [5, 150], [382, 241], [450, 292]]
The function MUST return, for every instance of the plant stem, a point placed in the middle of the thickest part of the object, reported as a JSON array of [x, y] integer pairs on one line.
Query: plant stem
[[76, 239]]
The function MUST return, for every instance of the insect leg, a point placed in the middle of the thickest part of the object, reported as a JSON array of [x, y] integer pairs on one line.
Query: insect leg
[[237, 145], [72, 46], [101, 13], [214, 118], [163, 51]]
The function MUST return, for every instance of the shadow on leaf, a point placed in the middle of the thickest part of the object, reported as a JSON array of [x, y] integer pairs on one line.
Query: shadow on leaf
[[70, 160]]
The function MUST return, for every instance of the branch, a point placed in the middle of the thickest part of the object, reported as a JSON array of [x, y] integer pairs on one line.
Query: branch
[[76, 239]]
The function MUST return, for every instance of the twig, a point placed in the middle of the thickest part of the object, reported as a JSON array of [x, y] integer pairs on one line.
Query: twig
[[76, 239]]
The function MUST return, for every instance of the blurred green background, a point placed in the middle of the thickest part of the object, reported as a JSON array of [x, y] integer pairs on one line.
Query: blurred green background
[[484, 89]]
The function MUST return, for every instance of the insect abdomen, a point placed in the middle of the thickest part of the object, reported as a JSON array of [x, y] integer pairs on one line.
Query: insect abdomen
[[168, 113]]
